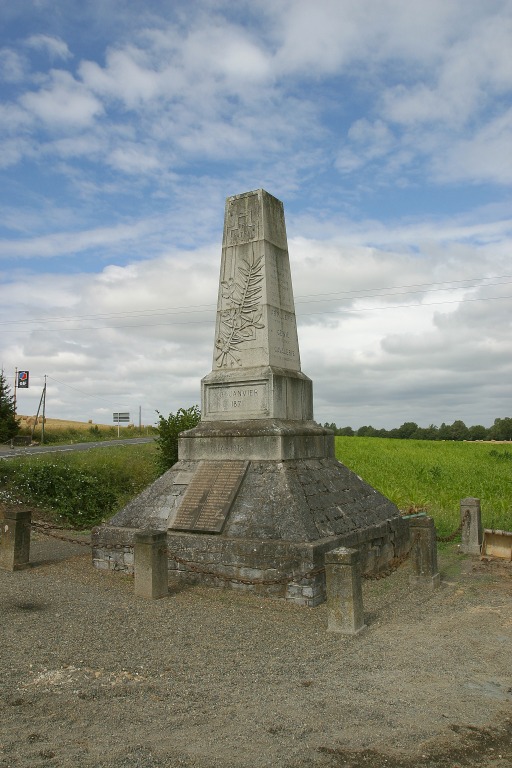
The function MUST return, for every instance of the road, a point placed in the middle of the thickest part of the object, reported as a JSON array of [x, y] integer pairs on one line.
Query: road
[[9, 453]]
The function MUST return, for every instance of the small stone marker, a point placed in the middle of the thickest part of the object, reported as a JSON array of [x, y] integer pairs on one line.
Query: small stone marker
[[424, 553], [344, 592], [15, 540], [470, 516], [150, 563]]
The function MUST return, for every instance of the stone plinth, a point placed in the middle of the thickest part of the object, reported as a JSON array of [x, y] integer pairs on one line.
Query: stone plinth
[[150, 564], [424, 553], [277, 440]]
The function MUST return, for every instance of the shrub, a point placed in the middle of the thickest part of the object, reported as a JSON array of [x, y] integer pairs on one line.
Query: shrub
[[168, 432], [78, 497]]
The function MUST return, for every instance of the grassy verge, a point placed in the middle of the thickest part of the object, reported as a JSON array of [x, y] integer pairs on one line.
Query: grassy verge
[[70, 435], [435, 476], [80, 489]]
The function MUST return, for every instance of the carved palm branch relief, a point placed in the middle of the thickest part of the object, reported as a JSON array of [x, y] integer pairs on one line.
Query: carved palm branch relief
[[241, 312]]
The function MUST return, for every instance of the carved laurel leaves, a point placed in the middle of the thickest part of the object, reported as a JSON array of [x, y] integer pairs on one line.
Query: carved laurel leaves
[[241, 313]]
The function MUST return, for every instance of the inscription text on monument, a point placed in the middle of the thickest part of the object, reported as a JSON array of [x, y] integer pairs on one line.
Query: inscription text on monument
[[246, 398]]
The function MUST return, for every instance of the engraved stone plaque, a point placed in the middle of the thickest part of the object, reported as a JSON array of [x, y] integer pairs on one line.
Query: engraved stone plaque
[[240, 400], [209, 496]]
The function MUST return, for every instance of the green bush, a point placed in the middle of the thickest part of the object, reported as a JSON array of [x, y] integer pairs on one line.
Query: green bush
[[168, 432], [78, 497], [80, 489]]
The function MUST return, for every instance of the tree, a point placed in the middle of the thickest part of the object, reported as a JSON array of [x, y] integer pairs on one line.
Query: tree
[[169, 430], [368, 431], [459, 430], [477, 432], [9, 425], [501, 429], [407, 429]]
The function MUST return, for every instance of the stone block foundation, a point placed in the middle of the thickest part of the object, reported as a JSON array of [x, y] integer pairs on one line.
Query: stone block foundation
[[287, 570]]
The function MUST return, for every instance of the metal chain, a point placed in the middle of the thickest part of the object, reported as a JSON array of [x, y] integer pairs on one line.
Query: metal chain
[[47, 530], [394, 565], [458, 531]]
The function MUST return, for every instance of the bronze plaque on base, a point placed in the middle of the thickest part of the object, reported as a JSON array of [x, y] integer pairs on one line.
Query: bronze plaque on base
[[209, 496]]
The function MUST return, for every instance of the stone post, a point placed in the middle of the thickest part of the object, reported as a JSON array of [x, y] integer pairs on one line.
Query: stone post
[[344, 593], [424, 553], [471, 520], [150, 563], [15, 540]]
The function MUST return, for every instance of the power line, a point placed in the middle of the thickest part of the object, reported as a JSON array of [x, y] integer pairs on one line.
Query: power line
[[338, 310], [81, 392], [301, 299]]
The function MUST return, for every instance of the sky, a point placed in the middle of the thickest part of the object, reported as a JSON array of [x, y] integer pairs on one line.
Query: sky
[[384, 126]]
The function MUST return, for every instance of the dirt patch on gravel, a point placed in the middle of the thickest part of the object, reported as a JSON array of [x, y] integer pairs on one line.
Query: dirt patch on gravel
[[93, 676]]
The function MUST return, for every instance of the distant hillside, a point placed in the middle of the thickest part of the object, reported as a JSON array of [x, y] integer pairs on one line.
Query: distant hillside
[[28, 421]]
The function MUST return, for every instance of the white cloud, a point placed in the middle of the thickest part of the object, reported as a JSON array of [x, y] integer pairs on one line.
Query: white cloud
[[62, 103], [54, 46], [12, 66], [206, 100], [144, 332], [61, 243], [483, 157], [134, 159], [127, 77]]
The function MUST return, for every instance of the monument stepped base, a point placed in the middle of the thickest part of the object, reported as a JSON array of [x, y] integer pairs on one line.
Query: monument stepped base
[[286, 515]]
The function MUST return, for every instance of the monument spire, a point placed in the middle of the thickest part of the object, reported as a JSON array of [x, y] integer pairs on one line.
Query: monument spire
[[255, 310], [256, 360]]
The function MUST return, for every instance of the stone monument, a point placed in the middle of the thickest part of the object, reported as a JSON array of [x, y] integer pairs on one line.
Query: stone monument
[[257, 497]]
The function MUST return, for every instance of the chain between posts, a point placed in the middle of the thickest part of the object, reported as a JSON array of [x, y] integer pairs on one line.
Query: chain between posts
[[396, 563], [48, 530], [457, 531], [224, 577]]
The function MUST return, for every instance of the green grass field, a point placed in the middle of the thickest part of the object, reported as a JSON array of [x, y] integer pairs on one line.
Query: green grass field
[[435, 476], [415, 474]]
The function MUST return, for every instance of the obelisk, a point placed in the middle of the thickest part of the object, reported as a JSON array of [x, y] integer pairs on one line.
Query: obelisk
[[256, 389], [257, 497]]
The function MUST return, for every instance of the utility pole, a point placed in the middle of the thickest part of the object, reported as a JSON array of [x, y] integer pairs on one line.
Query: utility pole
[[44, 410], [15, 382], [43, 401]]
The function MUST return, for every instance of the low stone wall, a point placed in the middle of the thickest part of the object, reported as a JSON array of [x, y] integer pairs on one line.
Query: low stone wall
[[288, 570]]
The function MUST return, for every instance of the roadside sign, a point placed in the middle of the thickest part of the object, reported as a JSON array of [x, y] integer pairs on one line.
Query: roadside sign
[[23, 377], [120, 417]]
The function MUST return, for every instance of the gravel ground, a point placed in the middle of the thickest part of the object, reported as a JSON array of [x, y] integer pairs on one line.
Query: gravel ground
[[93, 676]]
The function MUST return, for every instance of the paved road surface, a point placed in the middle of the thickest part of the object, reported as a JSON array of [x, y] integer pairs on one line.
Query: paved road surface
[[8, 453]]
